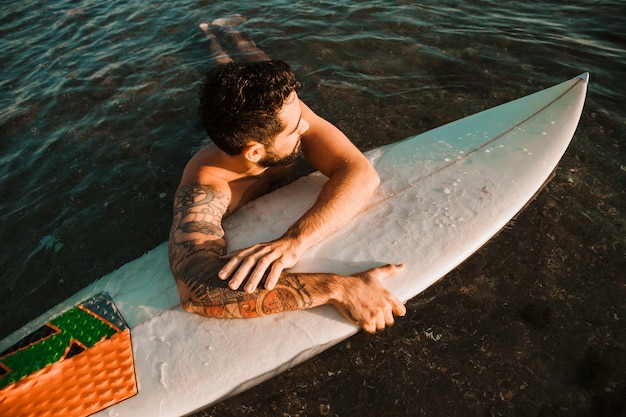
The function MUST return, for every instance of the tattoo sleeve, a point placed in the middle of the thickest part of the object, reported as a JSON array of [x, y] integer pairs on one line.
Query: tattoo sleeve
[[197, 241]]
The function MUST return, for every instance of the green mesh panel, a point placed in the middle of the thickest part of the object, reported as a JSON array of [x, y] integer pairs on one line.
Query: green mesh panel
[[78, 330]]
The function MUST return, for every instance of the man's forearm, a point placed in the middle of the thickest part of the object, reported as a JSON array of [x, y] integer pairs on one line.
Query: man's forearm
[[361, 297], [294, 292], [342, 197]]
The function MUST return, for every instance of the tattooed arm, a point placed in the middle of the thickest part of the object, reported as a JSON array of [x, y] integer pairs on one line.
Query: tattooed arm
[[197, 242]]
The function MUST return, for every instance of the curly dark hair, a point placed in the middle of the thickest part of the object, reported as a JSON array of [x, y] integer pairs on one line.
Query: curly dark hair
[[240, 102]]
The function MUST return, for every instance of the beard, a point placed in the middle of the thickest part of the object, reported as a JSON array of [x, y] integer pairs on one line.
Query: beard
[[272, 159]]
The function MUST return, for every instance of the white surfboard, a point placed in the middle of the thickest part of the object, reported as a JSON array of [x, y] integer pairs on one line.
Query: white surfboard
[[443, 195]]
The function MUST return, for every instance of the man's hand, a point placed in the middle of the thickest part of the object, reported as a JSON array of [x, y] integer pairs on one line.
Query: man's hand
[[250, 265], [365, 301]]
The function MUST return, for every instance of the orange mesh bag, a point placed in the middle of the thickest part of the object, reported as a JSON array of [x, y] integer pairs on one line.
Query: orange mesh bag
[[77, 364]]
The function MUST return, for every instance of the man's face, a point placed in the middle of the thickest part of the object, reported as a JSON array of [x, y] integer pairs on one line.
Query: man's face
[[287, 148]]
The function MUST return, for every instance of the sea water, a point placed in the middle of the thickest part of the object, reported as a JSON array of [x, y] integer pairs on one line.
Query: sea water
[[98, 105]]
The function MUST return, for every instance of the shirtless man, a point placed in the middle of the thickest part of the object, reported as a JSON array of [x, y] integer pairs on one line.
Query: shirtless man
[[259, 127]]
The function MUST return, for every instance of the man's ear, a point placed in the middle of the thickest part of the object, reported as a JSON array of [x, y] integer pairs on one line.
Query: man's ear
[[254, 152]]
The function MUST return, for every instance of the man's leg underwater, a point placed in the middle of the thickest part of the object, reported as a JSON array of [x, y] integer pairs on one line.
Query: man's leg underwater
[[217, 52], [242, 49]]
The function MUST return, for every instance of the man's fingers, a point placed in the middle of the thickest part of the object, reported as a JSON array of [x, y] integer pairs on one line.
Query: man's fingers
[[369, 326], [274, 275], [381, 319], [388, 270], [259, 272], [230, 255], [272, 261], [234, 260], [388, 317], [397, 307], [381, 272], [250, 266], [378, 321], [243, 272]]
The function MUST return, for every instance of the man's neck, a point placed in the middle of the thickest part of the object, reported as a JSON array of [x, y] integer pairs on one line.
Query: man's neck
[[230, 167]]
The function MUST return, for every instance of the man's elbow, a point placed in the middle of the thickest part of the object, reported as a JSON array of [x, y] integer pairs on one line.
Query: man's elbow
[[371, 178]]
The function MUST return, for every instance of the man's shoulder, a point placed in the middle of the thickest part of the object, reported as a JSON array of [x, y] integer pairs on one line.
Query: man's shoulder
[[202, 170], [200, 175]]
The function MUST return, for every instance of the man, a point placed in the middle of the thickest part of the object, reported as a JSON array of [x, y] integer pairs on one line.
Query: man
[[259, 127]]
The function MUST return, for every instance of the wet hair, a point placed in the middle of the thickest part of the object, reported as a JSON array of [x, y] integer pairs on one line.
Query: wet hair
[[240, 102]]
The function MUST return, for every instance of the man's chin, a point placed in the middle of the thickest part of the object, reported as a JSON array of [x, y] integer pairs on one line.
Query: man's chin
[[271, 161]]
